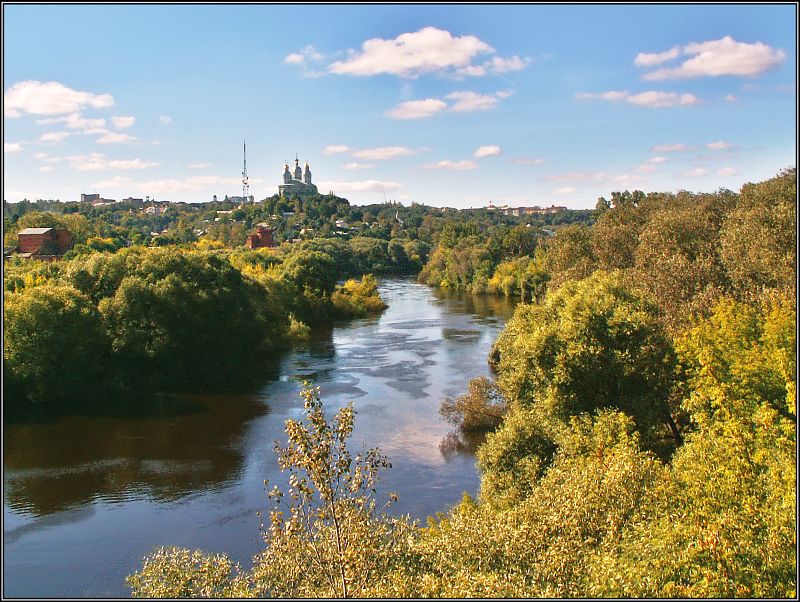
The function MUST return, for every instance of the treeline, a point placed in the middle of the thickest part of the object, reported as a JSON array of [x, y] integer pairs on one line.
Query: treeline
[[684, 250], [172, 319], [647, 444]]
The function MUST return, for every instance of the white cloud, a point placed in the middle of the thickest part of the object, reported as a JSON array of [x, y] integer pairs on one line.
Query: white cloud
[[160, 187], [46, 169], [115, 138], [40, 156], [411, 54], [725, 56], [626, 179], [199, 165], [726, 171], [308, 53], [383, 153], [76, 122], [651, 99], [360, 186], [671, 148], [131, 164], [123, 122], [472, 71], [528, 161], [53, 137], [50, 98], [417, 109], [488, 151], [352, 166], [579, 176], [333, 149], [657, 159], [648, 60], [452, 165], [565, 190], [612, 95], [500, 65], [730, 98], [646, 168], [164, 119], [98, 162], [719, 145], [115, 182], [694, 173], [9, 148], [662, 99], [472, 101]]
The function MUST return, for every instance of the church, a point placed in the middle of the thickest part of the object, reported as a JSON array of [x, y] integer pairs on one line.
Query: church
[[298, 186]]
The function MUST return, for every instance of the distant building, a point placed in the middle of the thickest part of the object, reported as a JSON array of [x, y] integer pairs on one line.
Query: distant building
[[536, 210], [298, 185], [130, 199], [44, 243], [89, 198], [261, 239]]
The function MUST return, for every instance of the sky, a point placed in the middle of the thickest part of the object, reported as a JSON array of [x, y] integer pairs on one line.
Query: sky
[[444, 105]]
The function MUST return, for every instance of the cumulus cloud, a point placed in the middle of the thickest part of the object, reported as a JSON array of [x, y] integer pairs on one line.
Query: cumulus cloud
[[411, 54], [579, 176], [651, 99], [656, 159], [123, 122], [164, 119], [46, 169], [115, 182], [360, 186], [466, 102], [644, 59], [9, 148], [199, 165], [99, 162], [488, 151], [697, 172], [565, 190], [719, 145], [383, 153], [308, 53], [417, 109], [53, 137], [49, 98], [353, 166], [528, 161], [671, 148], [730, 98], [725, 56], [76, 121], [115, 138], [452, 165], [726, 171], [333, 149]]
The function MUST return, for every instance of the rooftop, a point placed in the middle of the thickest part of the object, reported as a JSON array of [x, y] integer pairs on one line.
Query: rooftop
[[34, 231]]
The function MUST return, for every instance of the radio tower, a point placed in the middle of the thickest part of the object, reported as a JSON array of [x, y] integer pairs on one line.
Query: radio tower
[[245, 184]]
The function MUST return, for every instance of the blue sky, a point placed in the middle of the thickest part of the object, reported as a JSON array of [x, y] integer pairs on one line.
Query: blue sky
[[442, 105]]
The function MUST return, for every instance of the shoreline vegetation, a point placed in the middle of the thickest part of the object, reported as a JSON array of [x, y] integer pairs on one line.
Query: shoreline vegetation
[[641, 425]]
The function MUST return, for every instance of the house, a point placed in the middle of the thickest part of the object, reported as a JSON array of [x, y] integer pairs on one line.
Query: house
[[44, 243], [261, 239]]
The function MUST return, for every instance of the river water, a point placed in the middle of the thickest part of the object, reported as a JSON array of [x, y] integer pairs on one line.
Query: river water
[[88, 493]]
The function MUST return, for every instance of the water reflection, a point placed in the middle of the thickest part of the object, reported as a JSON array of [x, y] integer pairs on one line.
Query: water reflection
[[460, 443], [159, 448]]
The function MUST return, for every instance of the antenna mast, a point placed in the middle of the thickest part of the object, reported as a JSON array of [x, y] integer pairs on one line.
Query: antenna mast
[[245, 184]]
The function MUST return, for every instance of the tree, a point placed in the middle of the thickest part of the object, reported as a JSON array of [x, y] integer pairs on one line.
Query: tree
[[759, 239], [589, 345]]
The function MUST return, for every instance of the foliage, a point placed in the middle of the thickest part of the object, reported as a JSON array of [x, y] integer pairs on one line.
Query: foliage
[[54, 345], [179, 573], [355, 299], [481, 408], [590, 344], [759, 238]]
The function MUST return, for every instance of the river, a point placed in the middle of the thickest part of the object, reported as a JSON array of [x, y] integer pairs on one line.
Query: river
[[89, 492]]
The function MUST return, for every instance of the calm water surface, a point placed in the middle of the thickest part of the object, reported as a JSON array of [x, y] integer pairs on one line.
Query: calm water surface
[[87, 494]]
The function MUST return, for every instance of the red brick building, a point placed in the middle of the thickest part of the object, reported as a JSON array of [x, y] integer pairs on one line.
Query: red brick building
[[44, 243], [262, 238]]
